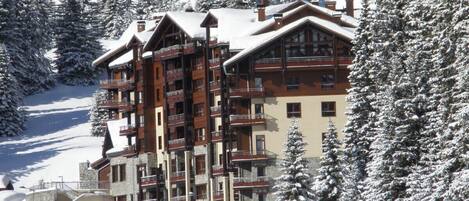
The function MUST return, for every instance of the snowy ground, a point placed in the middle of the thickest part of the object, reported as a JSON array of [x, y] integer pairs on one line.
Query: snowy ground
[[56, 138]]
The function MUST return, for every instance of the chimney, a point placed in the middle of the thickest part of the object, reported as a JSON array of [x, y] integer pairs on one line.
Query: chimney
[[330, 5], [261, 4], [278, 20], [140, 26], [349, 7]]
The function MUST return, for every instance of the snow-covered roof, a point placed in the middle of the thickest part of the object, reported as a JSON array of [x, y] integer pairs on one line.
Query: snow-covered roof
[[119, 143], [4, 181], [324, 24], [272, 9], [120, 45], [349, 20], [147, 54], [122, 60], [189, 22], [12, 196], [240, 43]]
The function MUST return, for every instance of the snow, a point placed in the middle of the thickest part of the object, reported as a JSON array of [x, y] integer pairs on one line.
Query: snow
[[56, 139], [189, 22], [122, 60], [119, 143], [147, 54], [11, 196], [324, 24], [241, 43]]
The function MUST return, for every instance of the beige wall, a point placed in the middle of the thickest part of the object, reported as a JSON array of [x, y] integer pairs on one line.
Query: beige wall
[[311, 123], [160, 132]]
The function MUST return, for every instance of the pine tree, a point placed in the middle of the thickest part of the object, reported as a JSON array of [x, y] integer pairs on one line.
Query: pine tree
[[74, 51], [12, 116], [358, 133], [117, 16], [98, 116], [328, 184], [454, 159], [295, 182]]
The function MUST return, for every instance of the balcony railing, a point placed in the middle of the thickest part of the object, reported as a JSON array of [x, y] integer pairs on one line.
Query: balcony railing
[[178, 176], [247, 119], [150, 180], [127, 130], [168, 52], [151, 199], [179, 198], [247, 92], [214, 85], [240, 156], [176, 119], [121, 105], [215, 110], [116, 84], [251, 182], [177, 143], [188, 48], [175, 74], [217, 136], [218, 195], [217, 169], [175, 93], [214, 63]]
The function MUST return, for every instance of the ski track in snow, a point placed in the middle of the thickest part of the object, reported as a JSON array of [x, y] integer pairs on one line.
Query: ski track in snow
[[56, 139]]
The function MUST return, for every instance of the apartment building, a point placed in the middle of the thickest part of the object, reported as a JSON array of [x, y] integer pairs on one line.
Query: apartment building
[[203, 101]]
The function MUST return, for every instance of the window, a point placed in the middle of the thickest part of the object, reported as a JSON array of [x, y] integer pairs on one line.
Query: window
[[159, 118], [122, 172], [199, 109], [260, 143], [260, 171], [200, 164], [328, 109], [258, 108], [258, 82], [142, 120], [115, 173], [261, 197], [160, 143], [140, 97], [157, 72], [157, 94], [201, 191], [293, 110], [327, 81], [200, 134], [293, 83]]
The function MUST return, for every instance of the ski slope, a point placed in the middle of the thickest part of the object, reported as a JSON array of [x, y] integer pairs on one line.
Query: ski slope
[[56, 139]]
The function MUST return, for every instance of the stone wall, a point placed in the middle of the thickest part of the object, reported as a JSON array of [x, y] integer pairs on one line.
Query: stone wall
[[88, 176]]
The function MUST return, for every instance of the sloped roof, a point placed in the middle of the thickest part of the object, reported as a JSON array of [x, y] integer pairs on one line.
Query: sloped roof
[[121, 44], [323, 24], [122, 60], [119, 143]]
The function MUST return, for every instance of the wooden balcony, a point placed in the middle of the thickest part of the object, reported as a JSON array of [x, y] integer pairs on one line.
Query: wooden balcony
[[306, 62], [217, 170], [175, 96], [176, 144], [254, 182], [174, 74], [247, 119], [122, 85], [176, 119], [188, 48], [215, 110], [217, 136], [151, 180], [242, 156], [179, 176], [214, 63], [121, 105], [169, 52], [247, 92], [215, 85], [128, 130], [198, 71]]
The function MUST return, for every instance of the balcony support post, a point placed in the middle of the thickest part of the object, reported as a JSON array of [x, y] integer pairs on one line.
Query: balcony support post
[[168, 176], [187, 160]]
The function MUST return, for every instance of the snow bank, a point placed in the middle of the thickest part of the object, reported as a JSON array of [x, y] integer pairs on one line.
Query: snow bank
[[11, 196]]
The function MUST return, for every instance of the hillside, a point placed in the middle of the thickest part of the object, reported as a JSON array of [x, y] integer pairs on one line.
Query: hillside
[[56, 138]]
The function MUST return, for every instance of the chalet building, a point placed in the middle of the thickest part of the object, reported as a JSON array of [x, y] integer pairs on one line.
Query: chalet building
[[201, 102]]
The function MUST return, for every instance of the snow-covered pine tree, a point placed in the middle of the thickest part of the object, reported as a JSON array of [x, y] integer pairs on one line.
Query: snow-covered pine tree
[[117, 16], [295, 182], [453, 165], [400, 120], [12, 118], [328, 184], [73, 57], [98, 115], [29, 66], [358, 133]]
